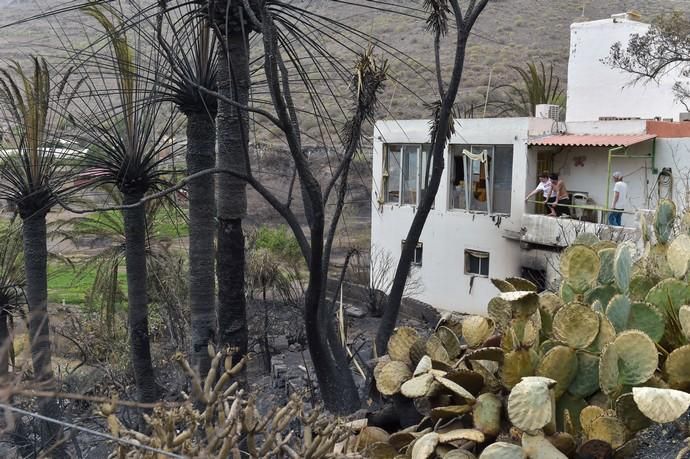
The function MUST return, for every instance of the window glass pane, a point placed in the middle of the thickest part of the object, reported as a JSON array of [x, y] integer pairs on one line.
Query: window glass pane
[[484, 266], [393, 186], [476, 263], [418, 254], [478, 179], [423, 169], [457, 188], [503, 179], [409, 174]]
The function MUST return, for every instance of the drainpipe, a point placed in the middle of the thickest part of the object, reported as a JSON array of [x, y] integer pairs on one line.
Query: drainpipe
[[654, 169]]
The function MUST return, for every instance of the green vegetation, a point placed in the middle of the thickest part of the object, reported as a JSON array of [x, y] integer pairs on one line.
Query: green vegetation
[[72, 284], [279, 241]]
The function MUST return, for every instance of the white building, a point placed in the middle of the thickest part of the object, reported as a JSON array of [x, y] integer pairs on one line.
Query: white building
[[481, 227]]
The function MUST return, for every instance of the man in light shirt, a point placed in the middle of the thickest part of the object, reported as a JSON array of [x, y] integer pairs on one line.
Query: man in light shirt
[[544, 187], [620, 193]]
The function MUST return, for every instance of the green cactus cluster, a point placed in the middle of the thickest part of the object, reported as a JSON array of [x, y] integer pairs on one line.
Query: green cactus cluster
[[570, 374]]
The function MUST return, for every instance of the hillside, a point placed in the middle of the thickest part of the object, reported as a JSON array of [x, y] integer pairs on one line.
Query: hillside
[[510, 32]]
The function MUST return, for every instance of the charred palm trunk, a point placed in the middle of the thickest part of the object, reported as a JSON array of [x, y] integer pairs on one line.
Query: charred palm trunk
[[5, 343], [201, 156], [338, 388], [233, 145], [137, 298], [35, 264]]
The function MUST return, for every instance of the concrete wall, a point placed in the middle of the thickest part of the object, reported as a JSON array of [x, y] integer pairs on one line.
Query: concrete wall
[[448, 233], [596, 90]]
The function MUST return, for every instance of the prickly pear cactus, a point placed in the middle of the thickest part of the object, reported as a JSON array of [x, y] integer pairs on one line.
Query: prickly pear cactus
[[577, 372], [663, 220]]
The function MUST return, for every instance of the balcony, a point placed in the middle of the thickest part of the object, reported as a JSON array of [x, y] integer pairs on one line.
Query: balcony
[[543, 230]]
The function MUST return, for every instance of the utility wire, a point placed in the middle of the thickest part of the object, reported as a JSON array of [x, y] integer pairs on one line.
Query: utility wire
[[91, 431]]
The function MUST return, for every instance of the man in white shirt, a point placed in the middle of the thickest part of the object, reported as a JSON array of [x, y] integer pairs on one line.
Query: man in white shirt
[[620, 193], [544, 187]]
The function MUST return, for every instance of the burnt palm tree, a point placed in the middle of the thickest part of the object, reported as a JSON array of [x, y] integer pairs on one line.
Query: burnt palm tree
[[185, 38], [35, 174], [129, 143], [12, 282]]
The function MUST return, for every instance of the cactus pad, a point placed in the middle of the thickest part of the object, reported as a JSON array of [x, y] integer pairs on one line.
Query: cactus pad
[[461, 434], [580, 267], [567, 292], [663, 220], [640, 285], [588, 415], [435, 350], [636, 316], [684, 320], [425, 445], [400, 343], [559, 364], [605, 336], [503, 285], [495, 354], [628, 412], [622, 265], [503, 450], [661, 405], [537, 446], [606, 257], [423, 366], [518, 364], [609, 429], [531, 404], [522, 303], [417, 351], [417, 386], [476, 329], [601, 293], [589, 239], [450, 341], [630, 360], [601, 245], [521, 284], [449, 411], [457, 389], [470, 380], [586, 380], [677, 368], [486, 414], [576, 325], [678, 255], [391, 376], [500, 312]]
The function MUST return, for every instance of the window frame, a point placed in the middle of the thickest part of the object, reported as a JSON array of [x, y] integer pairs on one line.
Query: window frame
[[423, 156], [469, 254], [418, 256], [489, 172]]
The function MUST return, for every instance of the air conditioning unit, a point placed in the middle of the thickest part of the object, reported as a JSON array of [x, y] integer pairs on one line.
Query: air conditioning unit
[[547, 111]]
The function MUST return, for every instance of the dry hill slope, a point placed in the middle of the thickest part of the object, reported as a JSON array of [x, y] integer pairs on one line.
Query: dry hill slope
[[510, 32]]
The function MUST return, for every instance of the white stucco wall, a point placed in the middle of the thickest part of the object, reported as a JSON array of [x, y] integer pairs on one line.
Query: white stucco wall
[[596, 90], [448, 233]]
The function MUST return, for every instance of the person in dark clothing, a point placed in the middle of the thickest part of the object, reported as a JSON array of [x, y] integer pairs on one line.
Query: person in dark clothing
[[560, 197]]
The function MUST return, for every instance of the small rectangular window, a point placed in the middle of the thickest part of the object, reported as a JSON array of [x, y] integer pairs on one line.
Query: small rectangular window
[[418, 253], [477, 263]]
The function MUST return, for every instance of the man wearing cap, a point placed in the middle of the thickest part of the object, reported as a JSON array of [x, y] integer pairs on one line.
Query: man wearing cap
[[620, 192]]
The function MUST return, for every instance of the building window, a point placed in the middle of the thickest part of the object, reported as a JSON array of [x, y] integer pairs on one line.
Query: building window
[[404, 173], [481, 178], [476, 263], [418, 252]]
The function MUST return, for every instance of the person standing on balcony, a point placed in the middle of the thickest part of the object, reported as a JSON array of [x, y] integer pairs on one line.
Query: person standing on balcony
[[620, 192], [560, 199], [545, 188]]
